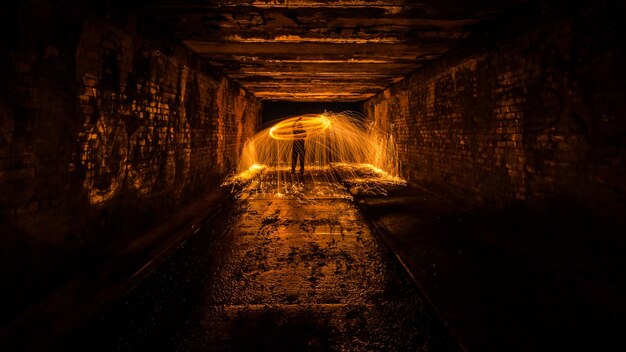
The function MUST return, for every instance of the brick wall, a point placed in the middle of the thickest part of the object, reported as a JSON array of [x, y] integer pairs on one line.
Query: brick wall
[[106, 128], [531, 113], [154, 123]]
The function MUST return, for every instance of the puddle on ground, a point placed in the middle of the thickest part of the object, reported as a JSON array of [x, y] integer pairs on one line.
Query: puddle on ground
[[295, 271], [310, 275]]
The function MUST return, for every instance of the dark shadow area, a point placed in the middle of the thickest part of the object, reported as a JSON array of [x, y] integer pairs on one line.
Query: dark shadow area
[[515, 279], [151, 315], [273, 330], [80, 293], [276, 110], [271, 274]]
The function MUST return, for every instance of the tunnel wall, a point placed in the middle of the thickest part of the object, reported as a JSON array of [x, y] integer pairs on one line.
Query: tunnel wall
[[525, 117], [107, 127]]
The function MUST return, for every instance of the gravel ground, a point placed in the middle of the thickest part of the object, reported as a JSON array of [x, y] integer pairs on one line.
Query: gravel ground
[[278, 274]]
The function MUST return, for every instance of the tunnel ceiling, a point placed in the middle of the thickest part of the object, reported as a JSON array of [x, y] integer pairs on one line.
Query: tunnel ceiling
[[323, 50]]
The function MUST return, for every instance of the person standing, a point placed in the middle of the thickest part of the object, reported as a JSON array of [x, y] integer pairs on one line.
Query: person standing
[[297, 154]]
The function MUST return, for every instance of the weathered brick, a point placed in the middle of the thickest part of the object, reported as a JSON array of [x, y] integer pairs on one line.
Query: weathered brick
[[116, 119], [529, 123]]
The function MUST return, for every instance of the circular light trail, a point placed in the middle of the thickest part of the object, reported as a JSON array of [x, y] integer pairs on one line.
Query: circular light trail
[[312, 124]]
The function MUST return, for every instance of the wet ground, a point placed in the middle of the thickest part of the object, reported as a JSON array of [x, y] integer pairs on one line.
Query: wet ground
[[299, 272]]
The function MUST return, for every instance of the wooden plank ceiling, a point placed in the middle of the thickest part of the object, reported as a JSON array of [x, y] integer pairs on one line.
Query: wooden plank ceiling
[[323, 50]]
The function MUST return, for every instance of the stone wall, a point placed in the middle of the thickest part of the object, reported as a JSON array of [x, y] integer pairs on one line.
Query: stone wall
[[107, 127], [519, 116]]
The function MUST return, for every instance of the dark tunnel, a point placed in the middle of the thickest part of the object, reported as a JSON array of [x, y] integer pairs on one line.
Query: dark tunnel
[[313, 175]]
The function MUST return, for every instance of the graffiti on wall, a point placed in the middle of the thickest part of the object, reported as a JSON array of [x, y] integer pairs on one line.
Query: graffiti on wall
[[138, 140], [104, 157], [141, 108]]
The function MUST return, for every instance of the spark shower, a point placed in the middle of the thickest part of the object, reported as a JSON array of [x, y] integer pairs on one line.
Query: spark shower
[[339, 147]]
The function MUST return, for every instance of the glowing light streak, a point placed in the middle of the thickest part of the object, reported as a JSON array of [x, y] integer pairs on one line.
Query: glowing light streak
[[312, 124], [245, 175], [341, 150]]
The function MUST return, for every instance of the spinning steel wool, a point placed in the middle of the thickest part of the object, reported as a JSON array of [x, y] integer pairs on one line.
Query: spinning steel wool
[[337, 146]]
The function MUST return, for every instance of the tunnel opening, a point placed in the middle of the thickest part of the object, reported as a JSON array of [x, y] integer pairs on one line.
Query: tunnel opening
[[336, 149]]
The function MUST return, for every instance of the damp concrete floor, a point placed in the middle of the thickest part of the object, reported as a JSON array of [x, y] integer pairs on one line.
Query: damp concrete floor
[[274, 273]]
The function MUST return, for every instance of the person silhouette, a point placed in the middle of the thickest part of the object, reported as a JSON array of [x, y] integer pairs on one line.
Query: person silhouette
[[297, 153]]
